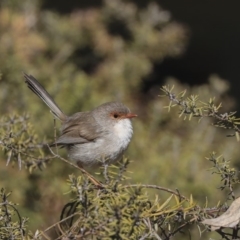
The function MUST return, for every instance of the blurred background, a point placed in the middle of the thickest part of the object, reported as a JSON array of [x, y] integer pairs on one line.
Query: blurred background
[[213, 44], [89, 52]]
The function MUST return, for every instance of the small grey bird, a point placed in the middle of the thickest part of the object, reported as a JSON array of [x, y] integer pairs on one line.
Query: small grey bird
[[101, 134]]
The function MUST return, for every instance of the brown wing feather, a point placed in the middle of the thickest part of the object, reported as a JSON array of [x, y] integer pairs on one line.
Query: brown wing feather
[[79, 128]]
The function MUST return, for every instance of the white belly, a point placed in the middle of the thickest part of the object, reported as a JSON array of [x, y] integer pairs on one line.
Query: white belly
[[108, 148]]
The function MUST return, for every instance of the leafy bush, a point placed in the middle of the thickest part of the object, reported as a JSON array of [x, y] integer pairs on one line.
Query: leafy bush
[[87, 58]]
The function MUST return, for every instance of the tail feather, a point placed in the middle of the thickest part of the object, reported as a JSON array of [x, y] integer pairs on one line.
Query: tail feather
[[39, 90]]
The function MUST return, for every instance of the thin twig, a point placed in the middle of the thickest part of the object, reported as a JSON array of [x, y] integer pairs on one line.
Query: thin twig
[[156, 187], [94, 181]]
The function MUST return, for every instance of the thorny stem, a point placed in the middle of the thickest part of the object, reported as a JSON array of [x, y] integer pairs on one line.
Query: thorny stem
[[210, 109], [157, 187]]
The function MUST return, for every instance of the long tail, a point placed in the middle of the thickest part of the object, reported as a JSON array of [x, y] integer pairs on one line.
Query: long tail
[[39, 90]]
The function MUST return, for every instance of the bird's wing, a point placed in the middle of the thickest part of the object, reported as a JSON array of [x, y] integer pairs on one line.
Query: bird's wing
[[78, 129]]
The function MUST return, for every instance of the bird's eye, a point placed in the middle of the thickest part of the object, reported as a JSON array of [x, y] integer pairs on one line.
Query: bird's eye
[[115, 115]]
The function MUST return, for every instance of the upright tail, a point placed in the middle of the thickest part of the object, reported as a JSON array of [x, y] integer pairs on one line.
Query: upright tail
[[39, 90]]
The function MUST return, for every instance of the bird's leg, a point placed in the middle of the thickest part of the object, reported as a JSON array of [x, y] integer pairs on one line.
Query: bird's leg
[[91, 178]]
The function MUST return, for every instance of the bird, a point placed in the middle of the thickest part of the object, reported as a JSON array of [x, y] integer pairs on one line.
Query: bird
[[99, 135]]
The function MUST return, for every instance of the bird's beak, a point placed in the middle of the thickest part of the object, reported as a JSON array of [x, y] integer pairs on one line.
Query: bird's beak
[[130, 115]]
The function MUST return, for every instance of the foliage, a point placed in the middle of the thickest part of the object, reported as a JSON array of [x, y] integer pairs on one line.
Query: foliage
[[10, 229], [229, 176], [118, 210], [18, 139], [86, 58], [193, 107]]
